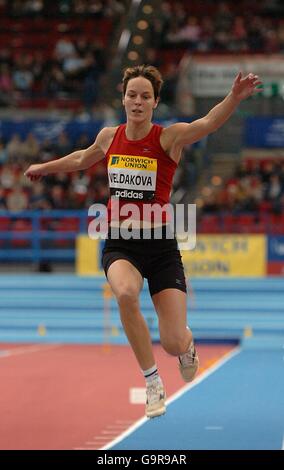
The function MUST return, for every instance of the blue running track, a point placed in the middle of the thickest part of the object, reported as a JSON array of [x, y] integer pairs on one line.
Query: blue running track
[[239, 406]]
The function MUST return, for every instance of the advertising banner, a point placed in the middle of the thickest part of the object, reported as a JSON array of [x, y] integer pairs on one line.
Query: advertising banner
[[226, 255], [264, 132], [213, 256], [275, 248], [87, 256], [49, 129], [212, 76], [275, 255]]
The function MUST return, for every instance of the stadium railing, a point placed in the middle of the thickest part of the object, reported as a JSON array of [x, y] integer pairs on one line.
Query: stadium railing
[[37, 236]]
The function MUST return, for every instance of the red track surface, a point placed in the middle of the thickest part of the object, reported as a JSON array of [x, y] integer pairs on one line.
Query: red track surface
[[67, 397]]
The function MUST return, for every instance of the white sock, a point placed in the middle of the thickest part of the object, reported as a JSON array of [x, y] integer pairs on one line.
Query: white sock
[[152, 375]]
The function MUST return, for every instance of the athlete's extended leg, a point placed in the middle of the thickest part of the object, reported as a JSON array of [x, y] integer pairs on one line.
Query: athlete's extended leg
[[176, 337], [126, 283]]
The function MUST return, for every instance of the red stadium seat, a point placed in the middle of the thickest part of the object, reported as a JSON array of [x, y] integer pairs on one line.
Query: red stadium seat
[[4, 227], [71, 224], [229, 223], [21, 225], [246, 223], [210, 224], [277, 224]]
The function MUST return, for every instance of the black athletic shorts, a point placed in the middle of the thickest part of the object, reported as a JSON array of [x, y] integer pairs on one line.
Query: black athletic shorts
[[157, 260]]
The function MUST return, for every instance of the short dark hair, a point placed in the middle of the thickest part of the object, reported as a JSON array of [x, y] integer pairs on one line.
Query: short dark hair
[[149, 72]]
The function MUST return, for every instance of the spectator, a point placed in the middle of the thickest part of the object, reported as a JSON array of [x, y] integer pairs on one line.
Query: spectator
[[7, 177], [274, 192], [64, 49], [56, 198], [6, 82], [63, 145], [22, 76], [30, 148], [3, 153], [15, 151], [38, 198], [17, 200], [3, 201]]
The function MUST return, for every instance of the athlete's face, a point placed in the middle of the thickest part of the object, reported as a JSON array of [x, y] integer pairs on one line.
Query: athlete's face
[[139, 100]]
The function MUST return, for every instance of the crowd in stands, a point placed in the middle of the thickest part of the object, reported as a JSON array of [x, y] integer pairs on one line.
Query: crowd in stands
[[62, 51], [95, 8], [183, 29], [61, 191], [68, 191], [58, 49], [74, 70], [225, 26], [251, 200], [257, 185], [55, 49]]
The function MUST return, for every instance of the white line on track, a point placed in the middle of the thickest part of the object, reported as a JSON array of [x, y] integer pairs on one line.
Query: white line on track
[[101, 438], [116, 429], [124, 421], [111, 431], [4, 353]]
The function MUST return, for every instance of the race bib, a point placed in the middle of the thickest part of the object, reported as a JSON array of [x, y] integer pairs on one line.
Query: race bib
[[132, 177]]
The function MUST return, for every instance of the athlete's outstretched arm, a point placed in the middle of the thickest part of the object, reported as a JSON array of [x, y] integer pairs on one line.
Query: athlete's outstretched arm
[[182, 133], [75, 161]]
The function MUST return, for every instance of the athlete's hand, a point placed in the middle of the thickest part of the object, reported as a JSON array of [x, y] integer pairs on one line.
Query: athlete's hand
[[243, 87], [35, 172]]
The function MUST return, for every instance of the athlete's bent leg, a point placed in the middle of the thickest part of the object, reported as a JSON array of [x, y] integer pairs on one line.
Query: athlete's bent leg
[[175, 336]]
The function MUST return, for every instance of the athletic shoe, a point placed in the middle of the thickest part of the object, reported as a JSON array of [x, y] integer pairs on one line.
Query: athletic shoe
[[155, 403], [188, 364]]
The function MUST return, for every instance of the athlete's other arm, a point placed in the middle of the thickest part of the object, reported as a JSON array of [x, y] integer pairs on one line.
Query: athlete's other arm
[[182, 134], [75, 161]]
